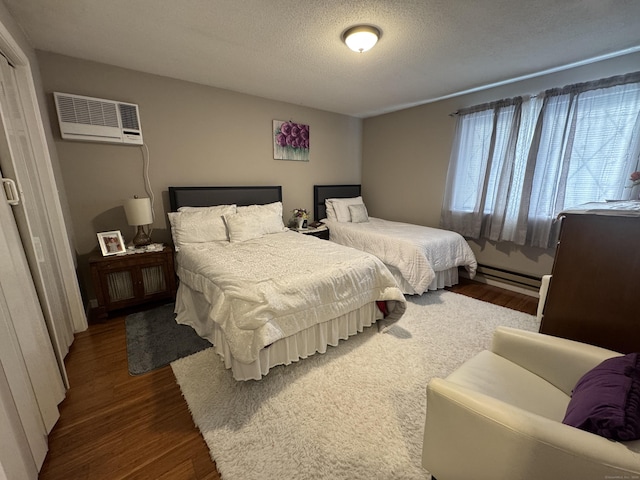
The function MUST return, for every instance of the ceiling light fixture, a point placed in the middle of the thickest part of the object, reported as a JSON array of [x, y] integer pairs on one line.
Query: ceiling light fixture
[[361, 38]]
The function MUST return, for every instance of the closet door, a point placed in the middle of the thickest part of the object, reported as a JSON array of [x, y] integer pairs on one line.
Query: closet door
[[30, 383], [24, 442], [17, 161]]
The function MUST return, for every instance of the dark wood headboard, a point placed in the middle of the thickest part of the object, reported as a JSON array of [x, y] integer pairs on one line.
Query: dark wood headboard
[[322, 192], [209, 196]]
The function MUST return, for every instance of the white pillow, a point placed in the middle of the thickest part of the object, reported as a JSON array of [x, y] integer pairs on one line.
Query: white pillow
[[254, 221], [341, 207], [359, 213], [202, 225], [269, 216], [201, 209], [269, 208], [330, 212]]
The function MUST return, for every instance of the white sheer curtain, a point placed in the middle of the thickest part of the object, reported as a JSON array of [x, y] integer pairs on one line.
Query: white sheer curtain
[[517, 163]]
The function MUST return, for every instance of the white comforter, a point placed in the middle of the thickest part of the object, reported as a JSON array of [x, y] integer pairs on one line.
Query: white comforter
[[416, 251], [265, 289]]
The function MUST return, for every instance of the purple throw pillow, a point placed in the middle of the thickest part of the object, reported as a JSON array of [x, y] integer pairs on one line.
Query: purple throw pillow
[[606, 400]]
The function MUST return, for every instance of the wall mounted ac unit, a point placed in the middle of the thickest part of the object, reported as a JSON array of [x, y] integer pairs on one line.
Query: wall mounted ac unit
[[97, 120]]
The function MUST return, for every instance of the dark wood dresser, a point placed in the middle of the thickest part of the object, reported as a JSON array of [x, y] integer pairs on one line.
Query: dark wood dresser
[[594, 294]]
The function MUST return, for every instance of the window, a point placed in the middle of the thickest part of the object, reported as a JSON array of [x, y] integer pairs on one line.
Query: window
[[517, 163]]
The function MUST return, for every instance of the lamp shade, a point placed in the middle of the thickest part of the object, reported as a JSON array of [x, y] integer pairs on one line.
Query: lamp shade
[[361, 37], [138, 211]]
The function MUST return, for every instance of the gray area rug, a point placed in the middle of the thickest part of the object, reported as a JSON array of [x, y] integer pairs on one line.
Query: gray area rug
[[356, 412], [154, 339]]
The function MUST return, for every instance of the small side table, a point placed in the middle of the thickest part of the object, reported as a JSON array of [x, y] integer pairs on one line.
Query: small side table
[[320, 232], [127, 280]]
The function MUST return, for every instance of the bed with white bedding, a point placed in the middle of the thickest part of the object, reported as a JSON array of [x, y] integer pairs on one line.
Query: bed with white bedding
[[264, 295], [420, 258]]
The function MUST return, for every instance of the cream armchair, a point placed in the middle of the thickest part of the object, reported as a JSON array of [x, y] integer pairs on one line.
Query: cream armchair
[[499, 416]]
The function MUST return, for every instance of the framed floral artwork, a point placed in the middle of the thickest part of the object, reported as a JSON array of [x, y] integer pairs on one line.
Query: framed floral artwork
[[290, 141], [111, 243]]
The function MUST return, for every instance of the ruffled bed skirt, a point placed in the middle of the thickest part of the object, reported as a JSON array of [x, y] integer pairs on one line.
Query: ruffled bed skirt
[[444, 278], [193, 309]]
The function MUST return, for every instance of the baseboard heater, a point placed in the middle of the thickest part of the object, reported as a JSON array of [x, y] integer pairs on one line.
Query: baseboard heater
[[508, 276]]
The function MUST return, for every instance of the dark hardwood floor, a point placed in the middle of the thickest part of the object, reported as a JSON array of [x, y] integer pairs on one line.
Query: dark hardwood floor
[[115, 426], [496, 295]]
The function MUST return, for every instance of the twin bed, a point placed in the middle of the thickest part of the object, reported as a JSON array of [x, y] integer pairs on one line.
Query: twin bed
[[420, 258], [262, 294]]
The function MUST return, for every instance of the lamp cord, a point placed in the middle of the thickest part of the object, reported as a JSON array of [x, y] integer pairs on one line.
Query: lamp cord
[[147, 183]]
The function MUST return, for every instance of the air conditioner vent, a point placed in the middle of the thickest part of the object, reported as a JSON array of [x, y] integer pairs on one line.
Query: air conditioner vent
[[129, 116], [97, 120]]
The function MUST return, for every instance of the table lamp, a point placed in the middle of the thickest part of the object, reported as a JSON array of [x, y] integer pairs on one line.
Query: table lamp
[[139, 214]]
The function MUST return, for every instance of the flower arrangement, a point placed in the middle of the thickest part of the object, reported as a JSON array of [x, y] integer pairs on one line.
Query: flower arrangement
[[300, 213]]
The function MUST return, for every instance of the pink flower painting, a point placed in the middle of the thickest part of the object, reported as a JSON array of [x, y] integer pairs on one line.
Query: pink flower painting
[[290, 141]]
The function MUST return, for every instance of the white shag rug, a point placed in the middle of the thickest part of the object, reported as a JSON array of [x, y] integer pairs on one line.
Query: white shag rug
[[356, 412]]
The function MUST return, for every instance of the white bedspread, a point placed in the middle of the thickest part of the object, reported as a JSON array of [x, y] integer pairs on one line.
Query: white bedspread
[[416, 251], [265, 289]]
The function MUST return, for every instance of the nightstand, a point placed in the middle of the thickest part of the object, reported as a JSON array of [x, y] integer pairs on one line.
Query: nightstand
[[132, 279], [320, 232]]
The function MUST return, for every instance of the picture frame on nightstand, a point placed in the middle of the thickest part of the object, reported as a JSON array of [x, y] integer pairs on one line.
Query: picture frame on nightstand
[[111, 243]]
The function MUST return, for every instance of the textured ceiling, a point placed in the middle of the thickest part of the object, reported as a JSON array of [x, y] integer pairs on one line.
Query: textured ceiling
[[292, 51]]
